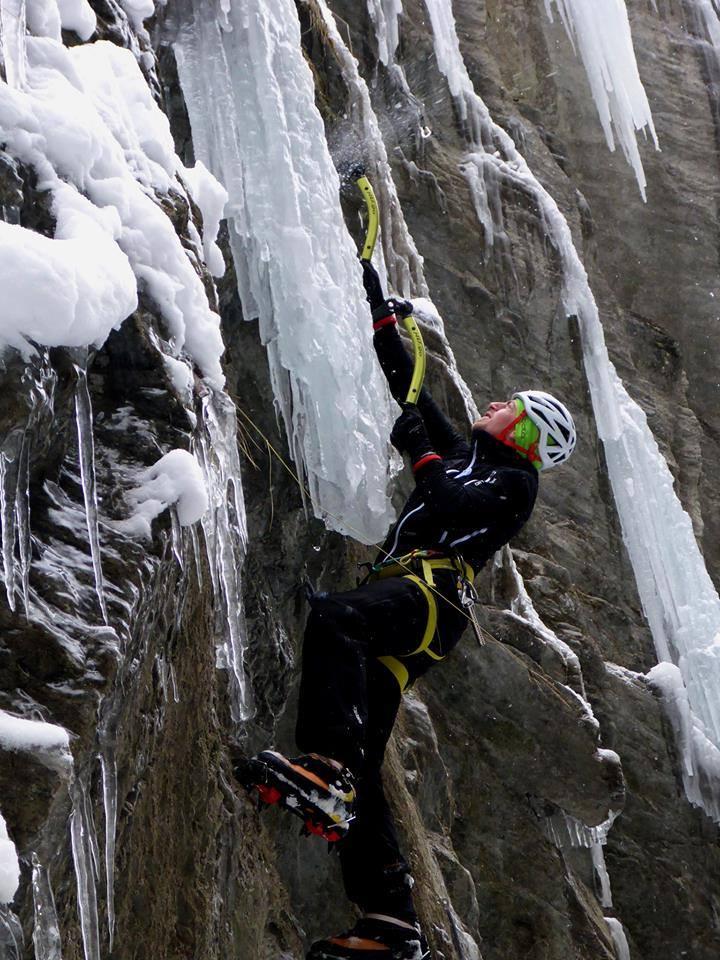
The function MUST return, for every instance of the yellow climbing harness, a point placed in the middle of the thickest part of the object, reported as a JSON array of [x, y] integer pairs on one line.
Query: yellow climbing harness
[[424, 563]]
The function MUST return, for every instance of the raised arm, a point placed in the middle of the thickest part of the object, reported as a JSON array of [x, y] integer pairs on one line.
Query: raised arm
[[397, 365]]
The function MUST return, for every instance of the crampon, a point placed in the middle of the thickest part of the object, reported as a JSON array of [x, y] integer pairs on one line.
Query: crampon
[[317, 790]]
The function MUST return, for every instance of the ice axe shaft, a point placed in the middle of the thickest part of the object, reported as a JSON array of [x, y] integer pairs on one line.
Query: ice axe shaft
[[408, 320]]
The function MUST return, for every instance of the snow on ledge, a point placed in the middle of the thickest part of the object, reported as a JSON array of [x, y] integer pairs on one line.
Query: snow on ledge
[[176, 479], [48, 742], [9, 866]]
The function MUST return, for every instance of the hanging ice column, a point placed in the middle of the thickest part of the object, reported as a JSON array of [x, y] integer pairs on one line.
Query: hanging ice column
[[385, 15], [260, 133], [703, 21], [600, 30], [680, 602]]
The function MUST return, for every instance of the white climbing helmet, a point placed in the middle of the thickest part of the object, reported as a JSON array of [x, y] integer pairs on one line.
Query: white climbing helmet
[[557, 430]]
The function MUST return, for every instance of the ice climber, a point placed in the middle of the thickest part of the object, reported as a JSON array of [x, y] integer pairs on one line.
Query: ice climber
[[363, 647]]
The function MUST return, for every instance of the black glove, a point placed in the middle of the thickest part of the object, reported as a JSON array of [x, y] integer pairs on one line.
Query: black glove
[[409, 433], [372, 284]]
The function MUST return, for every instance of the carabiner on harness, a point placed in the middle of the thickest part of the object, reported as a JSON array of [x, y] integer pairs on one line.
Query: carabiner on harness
[[468, 598]]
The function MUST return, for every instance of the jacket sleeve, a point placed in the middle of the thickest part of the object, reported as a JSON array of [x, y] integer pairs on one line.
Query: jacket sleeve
[[397, 365], [503, 499]]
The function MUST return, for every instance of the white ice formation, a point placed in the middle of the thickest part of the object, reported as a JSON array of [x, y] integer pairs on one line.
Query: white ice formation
[[250, 96], [707, 13], [50, 745], [9, 866], [678, 597], [568, 833], [401, 258], [600, 31], [46, 929], [48, 742], [85, 119], [385, 15], [86, 859], [175, 480]]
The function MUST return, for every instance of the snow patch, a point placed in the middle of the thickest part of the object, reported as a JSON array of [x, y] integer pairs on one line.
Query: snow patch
[[630, 677], [138, 11], [32, 736], [76, 15], [9, 865], [211, 197], [176, 479], [70, 291], [86, 121]]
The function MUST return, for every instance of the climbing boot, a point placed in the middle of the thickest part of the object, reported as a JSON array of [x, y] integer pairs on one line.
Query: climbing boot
[[371, 937], [319, 791]]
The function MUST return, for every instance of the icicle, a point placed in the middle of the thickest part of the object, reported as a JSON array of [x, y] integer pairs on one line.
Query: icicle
[[12, 36], [385, 15], [8, 488], [565, 830], [22, 520], [225, 529], [177, 538], [173, 681], [601, 32], [475, 123], [704, 27], [85, 858], [38, 380], [11, 935], [598, 859], [622, 948], [197, 557], [465, 946], [86, 452], [46, 930], [108, 765]]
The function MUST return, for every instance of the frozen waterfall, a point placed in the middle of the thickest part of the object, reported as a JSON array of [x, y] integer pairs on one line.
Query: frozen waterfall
[[250, 96]]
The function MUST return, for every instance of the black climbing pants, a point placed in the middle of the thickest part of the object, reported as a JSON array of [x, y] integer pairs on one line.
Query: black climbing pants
[[348, 704]]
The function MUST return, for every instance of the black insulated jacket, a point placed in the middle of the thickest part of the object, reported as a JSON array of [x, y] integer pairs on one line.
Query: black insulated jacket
[[472, 501]]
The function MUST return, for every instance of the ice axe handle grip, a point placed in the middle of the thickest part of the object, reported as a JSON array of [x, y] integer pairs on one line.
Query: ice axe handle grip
[[373, 217], [419, 355]]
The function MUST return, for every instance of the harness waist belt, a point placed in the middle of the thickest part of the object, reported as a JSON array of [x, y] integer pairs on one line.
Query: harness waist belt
[[417, 563]]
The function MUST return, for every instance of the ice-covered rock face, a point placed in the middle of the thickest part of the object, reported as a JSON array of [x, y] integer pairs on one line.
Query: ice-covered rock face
[[507, 768]]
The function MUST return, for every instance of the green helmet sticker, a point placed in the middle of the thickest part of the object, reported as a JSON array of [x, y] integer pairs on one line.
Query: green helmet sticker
[[526, 433]]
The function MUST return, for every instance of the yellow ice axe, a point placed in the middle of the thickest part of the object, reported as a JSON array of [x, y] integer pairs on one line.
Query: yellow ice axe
[[401, 309]]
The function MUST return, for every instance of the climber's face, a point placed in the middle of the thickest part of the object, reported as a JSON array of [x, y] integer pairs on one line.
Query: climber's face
[[499, 415]]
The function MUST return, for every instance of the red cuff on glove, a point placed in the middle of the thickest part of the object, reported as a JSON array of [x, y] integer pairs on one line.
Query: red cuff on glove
[[385, 322], [426, 459]]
